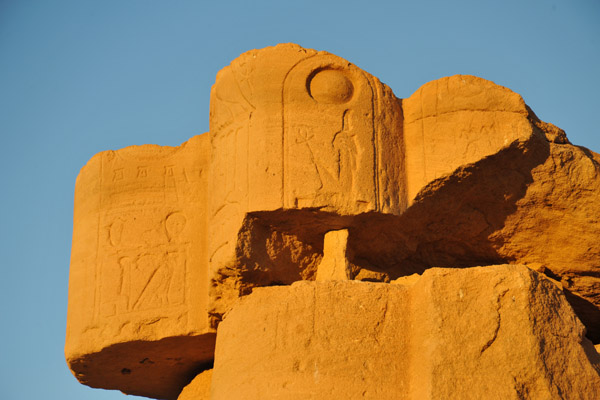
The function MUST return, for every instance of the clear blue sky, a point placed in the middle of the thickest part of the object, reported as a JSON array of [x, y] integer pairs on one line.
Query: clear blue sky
[[78, 77]]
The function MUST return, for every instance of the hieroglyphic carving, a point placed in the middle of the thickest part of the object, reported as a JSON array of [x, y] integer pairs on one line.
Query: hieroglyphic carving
[[132, 280], [138, 285], [148, 207], [142, 264], [293, 128], [329, 137], [246, 137], [230, 114], [455, 121]]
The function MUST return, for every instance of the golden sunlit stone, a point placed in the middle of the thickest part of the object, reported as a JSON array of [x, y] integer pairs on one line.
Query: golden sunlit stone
[[313, 170]]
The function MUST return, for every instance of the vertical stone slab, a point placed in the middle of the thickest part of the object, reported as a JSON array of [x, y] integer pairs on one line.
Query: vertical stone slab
[[334, 264], [139, 268], [246, 141]]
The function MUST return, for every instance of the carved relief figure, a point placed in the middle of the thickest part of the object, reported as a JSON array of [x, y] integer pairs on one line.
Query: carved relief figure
[[328, 125]]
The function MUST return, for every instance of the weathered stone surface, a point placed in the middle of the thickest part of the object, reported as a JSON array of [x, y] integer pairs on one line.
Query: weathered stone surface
[[557, 224], [334, 264], [457, 121], [532, 199], [497, 332], [138, 292], [459, 168], [198, 388], [314, 170], [306, 130], [538, 203]]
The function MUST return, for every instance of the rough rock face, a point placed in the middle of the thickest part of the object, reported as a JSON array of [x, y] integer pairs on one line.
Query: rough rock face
[[498, 332], [314, 170]]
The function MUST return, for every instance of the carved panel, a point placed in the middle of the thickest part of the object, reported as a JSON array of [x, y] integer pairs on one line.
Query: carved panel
[[329, 137]]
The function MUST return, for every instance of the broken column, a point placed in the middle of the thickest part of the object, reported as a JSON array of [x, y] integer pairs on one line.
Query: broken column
[[138, 287]]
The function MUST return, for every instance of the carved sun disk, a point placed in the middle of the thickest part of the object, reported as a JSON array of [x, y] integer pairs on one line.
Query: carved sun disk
[[331, 86]]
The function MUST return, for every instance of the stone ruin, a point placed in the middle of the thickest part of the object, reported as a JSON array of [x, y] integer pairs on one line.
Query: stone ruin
[[328, 240]]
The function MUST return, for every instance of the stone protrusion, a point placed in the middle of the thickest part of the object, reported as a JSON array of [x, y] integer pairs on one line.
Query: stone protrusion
[[334, 264]]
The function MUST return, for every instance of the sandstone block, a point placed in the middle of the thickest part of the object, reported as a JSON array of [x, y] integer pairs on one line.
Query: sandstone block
[[490, 183], [534, 201], [457, 174], [138, 289], [557, 224], [456, 121], [334, 264], [294, 129], [316, 171], [198, 388], [320, 145], [496, 332]]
